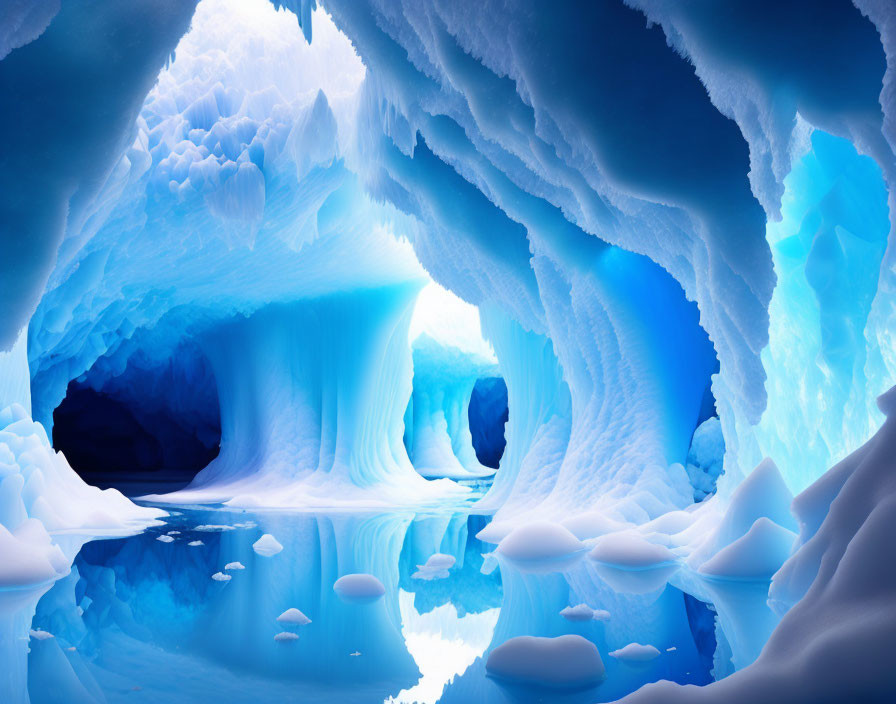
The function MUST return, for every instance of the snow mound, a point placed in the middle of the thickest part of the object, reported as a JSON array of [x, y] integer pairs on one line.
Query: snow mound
[[284, 636], [267, 545], [359, 588], [630, 551], [583, 612], [635, 653], [294, 617], [568, 661], [541, 546]]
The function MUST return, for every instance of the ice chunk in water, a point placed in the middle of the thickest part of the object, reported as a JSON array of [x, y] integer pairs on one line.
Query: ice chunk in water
[[359, 588], [541, 547], [40, 635], [568, 661], [165, 539], [221, 577], [635, 653], [234, 566], [267, 545], [286, 636], [294, 617], [583, 612], [195, 543]]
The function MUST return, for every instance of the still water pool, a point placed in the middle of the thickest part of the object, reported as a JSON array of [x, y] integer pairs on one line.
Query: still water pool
[[141, 619]]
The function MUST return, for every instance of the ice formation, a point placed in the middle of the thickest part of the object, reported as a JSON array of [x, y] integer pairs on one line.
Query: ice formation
[[669, 227], [636, 653], [562, 662], [359, 588], [294, 617]]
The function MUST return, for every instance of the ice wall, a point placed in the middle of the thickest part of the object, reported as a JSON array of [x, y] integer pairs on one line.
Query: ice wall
[[314, 419], [476, 121]]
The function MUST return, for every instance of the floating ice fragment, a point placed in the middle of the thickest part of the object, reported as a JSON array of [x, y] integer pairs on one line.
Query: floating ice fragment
[[295, 617], [245, 524], [234, 566], [165, 539], [221, 577], [439, 561], [630, 551], [583, 612], [671, 650], [40, 635], [436, 567], [211, 528], [568, 661], [267, 545], [285, 636], [541, 547], [629, 563], [173, 532], [354, 654], [359, 588], [635, 653], [195, 543]]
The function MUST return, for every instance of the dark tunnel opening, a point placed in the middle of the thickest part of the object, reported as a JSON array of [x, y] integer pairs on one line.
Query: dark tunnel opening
[[488, 415], [148, 430]]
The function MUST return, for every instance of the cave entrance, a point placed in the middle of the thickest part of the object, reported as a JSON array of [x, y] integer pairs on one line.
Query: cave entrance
[[148, 428], [455, 419]]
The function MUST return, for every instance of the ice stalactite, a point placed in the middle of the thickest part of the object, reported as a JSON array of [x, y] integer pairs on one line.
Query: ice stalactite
[[312, 398]]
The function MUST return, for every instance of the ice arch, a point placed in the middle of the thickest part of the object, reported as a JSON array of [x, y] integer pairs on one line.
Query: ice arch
[[449, 355]]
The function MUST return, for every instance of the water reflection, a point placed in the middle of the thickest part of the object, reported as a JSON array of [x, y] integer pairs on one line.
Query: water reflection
[[139, 619]]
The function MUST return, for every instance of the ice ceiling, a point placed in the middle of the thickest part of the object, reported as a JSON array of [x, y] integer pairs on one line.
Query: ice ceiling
[[673, 219]]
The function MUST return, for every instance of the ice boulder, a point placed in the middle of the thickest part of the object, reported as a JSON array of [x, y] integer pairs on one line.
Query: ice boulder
[[565, 662], [630, 563], [285, 636], [293, 617], [267, 545], [436, 567], [583, 612], [541, 546], [635, 654], [359, 588], [754, 556]]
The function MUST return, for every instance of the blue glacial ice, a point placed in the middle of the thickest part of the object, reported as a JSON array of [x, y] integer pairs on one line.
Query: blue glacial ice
[[349, 257]]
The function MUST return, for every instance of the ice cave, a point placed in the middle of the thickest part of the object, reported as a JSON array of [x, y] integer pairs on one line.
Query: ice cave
[[431, 351]]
